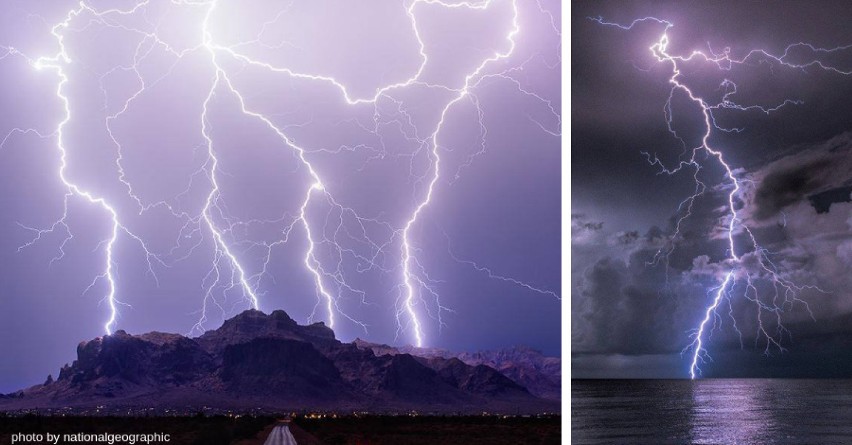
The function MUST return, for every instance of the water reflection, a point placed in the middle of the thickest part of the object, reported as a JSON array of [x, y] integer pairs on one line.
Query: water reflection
[[713, 411], [732, 411]]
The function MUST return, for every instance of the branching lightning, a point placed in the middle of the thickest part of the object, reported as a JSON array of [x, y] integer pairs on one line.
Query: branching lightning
[[57, 63], [748, 267], [228, 273]]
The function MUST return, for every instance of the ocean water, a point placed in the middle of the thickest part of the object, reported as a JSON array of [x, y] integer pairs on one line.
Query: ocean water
[[711, 411]]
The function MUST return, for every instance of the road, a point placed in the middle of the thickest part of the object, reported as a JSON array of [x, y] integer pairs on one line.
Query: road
[[280, 435]]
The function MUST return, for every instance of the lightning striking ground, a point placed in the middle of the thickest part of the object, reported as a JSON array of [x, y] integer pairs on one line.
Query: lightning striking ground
[[57, 63], [747, 265], [228, 272]]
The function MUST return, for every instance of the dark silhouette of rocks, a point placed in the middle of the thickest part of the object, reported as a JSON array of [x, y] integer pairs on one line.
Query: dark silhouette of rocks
[[528, 368], [270, 362]]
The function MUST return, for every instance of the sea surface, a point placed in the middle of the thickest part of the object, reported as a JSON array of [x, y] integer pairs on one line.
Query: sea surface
[[711, 411]]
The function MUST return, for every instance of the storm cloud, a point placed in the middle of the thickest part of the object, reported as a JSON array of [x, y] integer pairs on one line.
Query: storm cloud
[[642, 283]]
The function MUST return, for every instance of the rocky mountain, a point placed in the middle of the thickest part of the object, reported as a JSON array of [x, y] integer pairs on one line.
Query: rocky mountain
[[269, 362], [527, 367]]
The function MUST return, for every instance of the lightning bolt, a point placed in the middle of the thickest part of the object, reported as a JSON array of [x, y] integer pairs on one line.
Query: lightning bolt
[[57, 63], [215, 225], [784, 294]]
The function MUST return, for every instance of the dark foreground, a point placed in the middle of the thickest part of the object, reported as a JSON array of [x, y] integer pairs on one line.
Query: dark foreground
[[711, 411], [251, 430]]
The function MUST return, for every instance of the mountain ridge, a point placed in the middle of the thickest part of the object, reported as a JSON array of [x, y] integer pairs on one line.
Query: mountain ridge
[[528, 367], [269, 362]]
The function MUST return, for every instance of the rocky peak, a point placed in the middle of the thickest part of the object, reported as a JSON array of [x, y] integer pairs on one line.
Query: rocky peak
[[260, 360], [253, 324]]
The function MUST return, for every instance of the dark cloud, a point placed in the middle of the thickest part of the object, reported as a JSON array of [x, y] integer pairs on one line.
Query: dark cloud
[[583, 230], [581, 224], [636, 300], [642, 281], [822, 201], [626, 238], [816, 174], [779, 189], [623, 306]]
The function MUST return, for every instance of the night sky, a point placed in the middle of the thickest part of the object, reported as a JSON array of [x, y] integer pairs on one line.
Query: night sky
[[156, 90], [633, 310]]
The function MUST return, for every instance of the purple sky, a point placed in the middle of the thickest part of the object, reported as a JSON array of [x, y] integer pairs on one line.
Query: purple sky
[[156, 128]]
